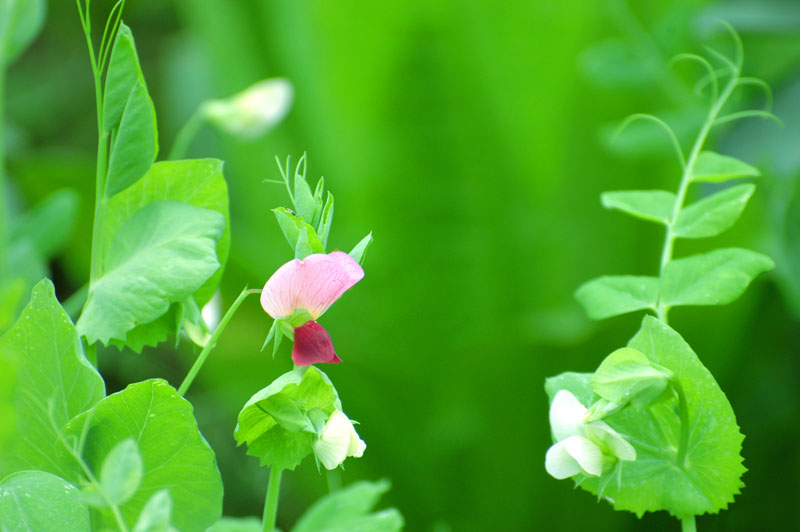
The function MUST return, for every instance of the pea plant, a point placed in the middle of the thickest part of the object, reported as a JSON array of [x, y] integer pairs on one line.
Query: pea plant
[[74, 458], [651, 429]]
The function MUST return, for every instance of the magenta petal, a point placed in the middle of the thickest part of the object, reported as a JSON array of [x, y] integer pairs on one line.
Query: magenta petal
[[312, 344], [312, 284]]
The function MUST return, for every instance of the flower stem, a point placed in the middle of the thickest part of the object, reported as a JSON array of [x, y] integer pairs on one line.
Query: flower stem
[[271, 501], [686, 179], [688, 524], [187, 134], [212, 342]]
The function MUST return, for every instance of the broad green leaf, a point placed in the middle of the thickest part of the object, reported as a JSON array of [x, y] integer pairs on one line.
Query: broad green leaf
[[47, 225], [20, 22], [714, 168], [627, 376], [715, 278], [273, 422], [197, 182], [121, 472], [326, 220], [156, 514], [135, 145], [651, 205], [50, 382], [348, 510], [359, 252], [37, 501], [707, 480], [237, 524], [304, 200], [124, 73], [174, 454], [713, 215], [160, 255], [13, 290], [152, 333], [611, 295]]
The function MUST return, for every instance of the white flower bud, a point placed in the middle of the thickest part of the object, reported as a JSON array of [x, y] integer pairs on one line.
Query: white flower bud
[[338, 440], [254, 111]]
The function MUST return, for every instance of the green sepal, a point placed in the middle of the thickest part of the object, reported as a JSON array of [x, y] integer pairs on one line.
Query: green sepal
[[626, 376], [651, 205], [270, 422], [612, 295], [712, 167], [359, 252], [714, 278], [715, 214]]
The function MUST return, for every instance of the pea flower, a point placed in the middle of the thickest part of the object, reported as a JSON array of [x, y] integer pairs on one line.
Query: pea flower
[[337, 441], [300, 292], [581, 447], [254, 111]]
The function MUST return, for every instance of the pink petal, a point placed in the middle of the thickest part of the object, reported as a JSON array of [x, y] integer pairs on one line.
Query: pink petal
[[312, 344], [312, 284]]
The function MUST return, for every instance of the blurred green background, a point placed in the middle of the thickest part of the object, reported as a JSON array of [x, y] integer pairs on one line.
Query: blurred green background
[[473, 138]]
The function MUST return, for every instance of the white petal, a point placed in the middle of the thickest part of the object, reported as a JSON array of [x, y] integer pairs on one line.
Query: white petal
[[559, 463], [566, 415], [587, 454], [617, 445], [338, 441]]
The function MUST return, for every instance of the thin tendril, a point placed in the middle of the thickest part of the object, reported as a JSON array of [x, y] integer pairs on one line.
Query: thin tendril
[[711, 76], [758, 82], [642, 116], [752, 113]]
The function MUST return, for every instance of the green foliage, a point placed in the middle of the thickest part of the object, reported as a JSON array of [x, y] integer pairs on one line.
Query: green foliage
[[714, 278], [712, 215], [651, 205], [36, 501], [156, 514], [715, 168], [48, 225], [359, 252], [20, 22], [237, 524], [162, 254], [175, 456], [50, 382], [618, 294], [121, 473], [279, 423], [349, 509], [700, 474], [627, 376]]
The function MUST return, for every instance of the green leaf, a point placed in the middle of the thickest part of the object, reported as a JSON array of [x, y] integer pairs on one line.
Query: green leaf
[[36, 501], [627, 376], [715, 278], [47, 226], [50, 382], [237, 524], [714, 214], [273, 422], [304, 201], [651, 205], [301, 237], [359, 252], [20, 22], [175, 455], [135, 145], [160, 255], [707, 480], [155, 516], [198, 182], [612, 295], [121, 472], [307, 243], [124, 73], [348, 510], [714, 168], [326, 220]]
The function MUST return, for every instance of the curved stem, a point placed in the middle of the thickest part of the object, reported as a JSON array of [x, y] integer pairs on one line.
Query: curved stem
[[271, 502], [688, 524], [212, 342], [187, 134], [686, 179]]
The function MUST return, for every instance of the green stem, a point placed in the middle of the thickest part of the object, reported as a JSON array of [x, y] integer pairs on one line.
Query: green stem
[[686, 179], [100, 205], [271, 502], [688, 524], [3, 214], [212, 342], [187, 134]]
